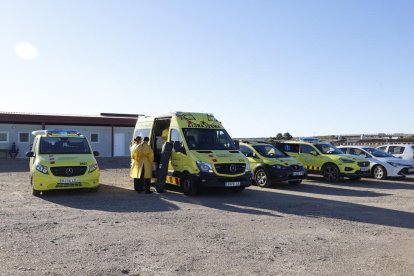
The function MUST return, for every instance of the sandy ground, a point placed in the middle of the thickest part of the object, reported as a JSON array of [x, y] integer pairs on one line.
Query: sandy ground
[[347, 228]]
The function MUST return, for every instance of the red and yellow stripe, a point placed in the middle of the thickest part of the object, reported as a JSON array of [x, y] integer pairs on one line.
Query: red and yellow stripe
[[173, 180]]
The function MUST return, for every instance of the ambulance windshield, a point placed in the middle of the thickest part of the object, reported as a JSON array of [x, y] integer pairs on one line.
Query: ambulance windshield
[[64, 145], [208, 139]]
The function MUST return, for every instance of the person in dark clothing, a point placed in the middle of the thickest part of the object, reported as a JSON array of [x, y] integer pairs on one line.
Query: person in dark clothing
[[13, 151]]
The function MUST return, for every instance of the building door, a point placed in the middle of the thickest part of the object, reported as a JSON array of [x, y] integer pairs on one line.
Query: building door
[[119, 144]]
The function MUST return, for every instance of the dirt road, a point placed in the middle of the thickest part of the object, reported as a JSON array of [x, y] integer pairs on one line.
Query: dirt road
[[347, 228]]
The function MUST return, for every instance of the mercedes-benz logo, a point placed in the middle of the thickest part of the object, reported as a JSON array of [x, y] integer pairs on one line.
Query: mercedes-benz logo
[[233, 168], [69, 171]]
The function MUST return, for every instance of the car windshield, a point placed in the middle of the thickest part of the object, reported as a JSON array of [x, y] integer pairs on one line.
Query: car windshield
[[326, 148], [269, 151], [377, 152], [64, 145], [208, 139]]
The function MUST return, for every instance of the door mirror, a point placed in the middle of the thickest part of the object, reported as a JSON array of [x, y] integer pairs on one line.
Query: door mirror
[[95, 153], [30, 154], [179, 147], [314, 153]]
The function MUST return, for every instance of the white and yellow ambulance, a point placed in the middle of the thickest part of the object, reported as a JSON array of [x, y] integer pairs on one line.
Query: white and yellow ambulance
[[203, 153]]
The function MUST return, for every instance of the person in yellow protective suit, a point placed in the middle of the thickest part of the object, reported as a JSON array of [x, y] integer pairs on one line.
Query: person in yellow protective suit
[[164, 135], [134, 164], [142, 169]]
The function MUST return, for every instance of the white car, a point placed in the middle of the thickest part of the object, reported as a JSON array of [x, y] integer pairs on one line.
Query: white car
[[382, 164], [404, 151]]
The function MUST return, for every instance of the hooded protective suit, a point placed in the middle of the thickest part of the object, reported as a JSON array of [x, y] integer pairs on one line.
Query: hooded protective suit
[[142, 157]]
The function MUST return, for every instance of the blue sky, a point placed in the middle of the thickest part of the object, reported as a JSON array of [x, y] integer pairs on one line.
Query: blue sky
[[261, 67]]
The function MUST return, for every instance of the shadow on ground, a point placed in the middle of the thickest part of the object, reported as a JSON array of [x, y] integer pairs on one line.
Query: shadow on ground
[[110, 199]]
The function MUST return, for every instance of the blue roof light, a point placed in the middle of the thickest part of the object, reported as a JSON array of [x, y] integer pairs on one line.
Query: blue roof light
[[62, 132], [309, 139]]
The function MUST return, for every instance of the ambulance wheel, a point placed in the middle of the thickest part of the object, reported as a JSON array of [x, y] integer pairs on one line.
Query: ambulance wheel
[[36, 192], [261, 178], [188, 186], [295, 182], [330, 173], [379, 172]]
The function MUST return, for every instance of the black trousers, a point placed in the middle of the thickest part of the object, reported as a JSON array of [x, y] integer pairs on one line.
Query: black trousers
[[141, 184]]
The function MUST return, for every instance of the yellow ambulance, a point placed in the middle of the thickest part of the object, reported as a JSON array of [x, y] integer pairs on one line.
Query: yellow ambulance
[[203, 155], [62, 159]]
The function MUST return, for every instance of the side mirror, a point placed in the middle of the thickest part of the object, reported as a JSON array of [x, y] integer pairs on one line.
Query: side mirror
[[314, 153], [237, 144], [179, 147], [30, 154], [95, 153]]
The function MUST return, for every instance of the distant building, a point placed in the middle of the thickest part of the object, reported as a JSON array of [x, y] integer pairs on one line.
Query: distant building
[[108, 133]]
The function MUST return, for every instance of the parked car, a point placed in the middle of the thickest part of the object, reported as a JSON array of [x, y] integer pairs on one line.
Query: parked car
[[268, 164], [404, 151], [323, 158], [382, 164]]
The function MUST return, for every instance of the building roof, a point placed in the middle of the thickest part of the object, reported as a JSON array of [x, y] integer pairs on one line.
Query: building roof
[[98, 120]]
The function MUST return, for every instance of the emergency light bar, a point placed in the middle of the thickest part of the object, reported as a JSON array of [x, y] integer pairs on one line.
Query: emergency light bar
[[56, 132], [309, 139]]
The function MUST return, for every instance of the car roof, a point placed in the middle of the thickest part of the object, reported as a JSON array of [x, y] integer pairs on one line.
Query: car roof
[[398, 145]]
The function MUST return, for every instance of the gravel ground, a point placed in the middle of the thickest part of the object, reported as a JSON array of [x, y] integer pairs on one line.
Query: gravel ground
[[347, 228]]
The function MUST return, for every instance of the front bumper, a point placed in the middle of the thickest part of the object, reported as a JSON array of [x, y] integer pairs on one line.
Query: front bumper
[[357, 173], [288, 173], [406, 171], [44, 182], [211, 180]]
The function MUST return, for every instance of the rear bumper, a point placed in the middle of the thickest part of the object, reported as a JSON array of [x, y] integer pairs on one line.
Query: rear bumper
[[210, 180]]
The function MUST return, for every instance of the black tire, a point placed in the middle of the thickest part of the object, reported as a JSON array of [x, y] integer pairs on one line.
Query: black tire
[[261, 178], [331, 173], [238, 189], [295, 182], [34, 192], [188, 186], [379, 172]]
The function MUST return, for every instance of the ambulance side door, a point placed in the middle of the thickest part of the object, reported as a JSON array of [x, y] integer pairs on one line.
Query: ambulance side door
[[176, 160]]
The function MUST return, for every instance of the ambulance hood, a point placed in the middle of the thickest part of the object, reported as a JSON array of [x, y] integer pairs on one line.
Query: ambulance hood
[[219, 156], [67, 159]]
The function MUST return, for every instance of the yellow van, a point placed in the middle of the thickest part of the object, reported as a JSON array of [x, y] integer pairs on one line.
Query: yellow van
[[203, 153], [62, 159]]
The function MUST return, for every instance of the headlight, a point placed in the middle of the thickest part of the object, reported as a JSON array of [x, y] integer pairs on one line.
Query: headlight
[[343, 160], [396, 164], [93, 167], [41, 168], [204, 166], [248, 167], [279, 167]]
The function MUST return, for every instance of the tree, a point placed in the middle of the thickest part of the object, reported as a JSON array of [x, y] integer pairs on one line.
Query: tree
[[287, 136], [279, 136]]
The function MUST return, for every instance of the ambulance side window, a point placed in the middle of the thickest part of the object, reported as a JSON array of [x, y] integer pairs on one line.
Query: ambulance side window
[[175, 136], [306, 149], [291, 148], [246, 151], [143, 132]]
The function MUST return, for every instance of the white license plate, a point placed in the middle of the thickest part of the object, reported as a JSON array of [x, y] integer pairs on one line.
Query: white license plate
[[364, 169], [232, 184], [411, 170], [69, 180], [298, 173]]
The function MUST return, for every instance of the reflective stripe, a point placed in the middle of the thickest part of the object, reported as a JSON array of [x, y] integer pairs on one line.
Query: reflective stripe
[[173, 180], [313, 168]]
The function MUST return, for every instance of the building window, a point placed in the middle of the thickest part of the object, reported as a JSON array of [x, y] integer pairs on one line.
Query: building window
[[4, 137], [94, 137], [23, 137]]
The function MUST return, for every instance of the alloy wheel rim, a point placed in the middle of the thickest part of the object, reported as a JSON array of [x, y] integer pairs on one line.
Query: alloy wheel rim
[[378, 172], [261, 178]]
